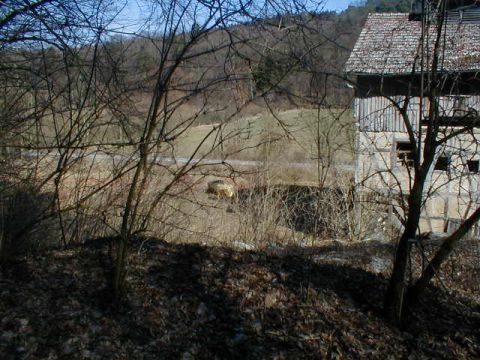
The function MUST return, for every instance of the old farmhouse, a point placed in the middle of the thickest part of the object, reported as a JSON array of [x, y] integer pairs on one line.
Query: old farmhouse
[[392, 64]]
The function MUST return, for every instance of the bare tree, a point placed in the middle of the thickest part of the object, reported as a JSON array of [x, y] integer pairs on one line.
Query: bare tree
[[50, 94], [213, 39], [430, 134], [452, 133], [100, 110]]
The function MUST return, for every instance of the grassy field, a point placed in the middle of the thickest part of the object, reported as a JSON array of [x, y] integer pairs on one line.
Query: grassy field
[[299, 135]]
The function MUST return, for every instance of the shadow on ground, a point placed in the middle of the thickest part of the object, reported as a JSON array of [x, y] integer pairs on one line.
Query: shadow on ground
[[195, 302]]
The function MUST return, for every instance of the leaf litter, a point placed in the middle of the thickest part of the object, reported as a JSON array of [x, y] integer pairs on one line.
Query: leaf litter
[[196, 302]]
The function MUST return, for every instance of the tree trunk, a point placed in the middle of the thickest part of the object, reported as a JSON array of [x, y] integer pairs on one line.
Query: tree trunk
[[393, 304], [122, 246], [415, 292], [119, 273], [394, 298]]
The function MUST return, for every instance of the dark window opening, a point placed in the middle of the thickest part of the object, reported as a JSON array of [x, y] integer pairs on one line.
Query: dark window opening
[[405, 153], [455, 121], [442, 163], [475, 232], [473, 166], [460, 106], [454, 224], [458, 115], [453, 4]]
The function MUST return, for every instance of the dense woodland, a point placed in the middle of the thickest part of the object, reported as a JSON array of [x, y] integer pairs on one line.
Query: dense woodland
[[271, 61]]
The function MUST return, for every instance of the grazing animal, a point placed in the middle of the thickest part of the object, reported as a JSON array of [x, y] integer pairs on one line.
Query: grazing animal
[[221, 188]]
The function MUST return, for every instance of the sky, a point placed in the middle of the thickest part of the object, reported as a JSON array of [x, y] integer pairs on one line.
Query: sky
[[337, 5], [130, 14]]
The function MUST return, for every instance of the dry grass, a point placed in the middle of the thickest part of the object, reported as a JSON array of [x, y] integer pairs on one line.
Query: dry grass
[[295, 135], [187, 214], [91, 196]]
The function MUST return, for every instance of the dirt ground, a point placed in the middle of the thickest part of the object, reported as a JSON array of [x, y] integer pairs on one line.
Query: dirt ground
[[188, 301]]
